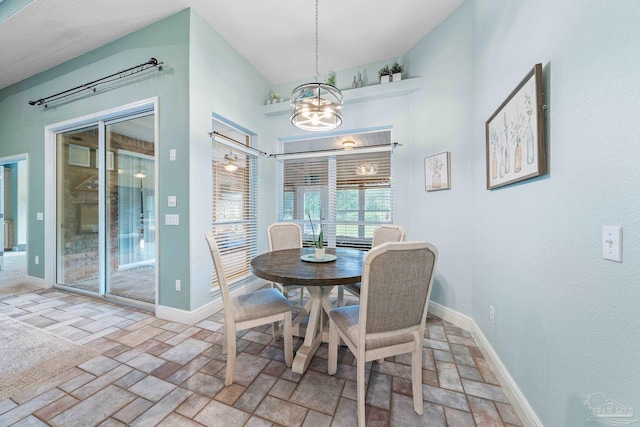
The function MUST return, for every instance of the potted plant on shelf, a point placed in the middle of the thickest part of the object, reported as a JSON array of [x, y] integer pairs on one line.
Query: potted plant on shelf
[[384, 73], [275, 98], [317, 243], [396, 72], [331, 79]]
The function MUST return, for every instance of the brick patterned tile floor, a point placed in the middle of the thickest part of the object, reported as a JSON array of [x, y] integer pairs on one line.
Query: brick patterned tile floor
[[154, 372]]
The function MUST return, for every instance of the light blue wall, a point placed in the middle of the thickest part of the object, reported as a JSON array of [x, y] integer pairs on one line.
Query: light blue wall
[[439, 121], [224, 83], [22, 126], [566, 319]]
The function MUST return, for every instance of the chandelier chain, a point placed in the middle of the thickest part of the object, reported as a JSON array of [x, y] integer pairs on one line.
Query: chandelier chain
[[317, 74]]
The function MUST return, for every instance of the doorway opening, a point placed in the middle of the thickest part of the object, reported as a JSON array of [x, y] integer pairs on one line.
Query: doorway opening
[[13, 220]]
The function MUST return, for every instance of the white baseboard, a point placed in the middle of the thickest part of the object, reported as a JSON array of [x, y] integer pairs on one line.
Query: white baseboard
[[517, 399], [199, 314], [445, 313]]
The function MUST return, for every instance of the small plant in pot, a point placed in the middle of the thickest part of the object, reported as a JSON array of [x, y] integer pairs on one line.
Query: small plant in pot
[[319, 242], [275, 98], [331, 79], [396, 71], [384, 73]]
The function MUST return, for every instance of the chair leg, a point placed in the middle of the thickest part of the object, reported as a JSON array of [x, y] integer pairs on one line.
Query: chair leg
[[416, 377], [361, 391], [224, 338], [288, 339], [231, 356], [276, 331], [332, 365], [340, 302]]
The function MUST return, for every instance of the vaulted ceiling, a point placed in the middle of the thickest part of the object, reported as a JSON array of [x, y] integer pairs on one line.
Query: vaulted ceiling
[[276, 36]]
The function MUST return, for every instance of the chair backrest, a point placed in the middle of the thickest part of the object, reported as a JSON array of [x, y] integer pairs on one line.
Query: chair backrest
[[396, 286], [217, 265], [284, 235], [387, 233]]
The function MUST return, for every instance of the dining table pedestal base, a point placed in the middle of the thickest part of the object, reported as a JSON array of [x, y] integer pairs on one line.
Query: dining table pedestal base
[[314, 333]]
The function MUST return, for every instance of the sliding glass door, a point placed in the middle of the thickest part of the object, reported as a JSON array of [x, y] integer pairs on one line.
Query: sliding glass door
[[78, 208], [106, 208], [130, 214]]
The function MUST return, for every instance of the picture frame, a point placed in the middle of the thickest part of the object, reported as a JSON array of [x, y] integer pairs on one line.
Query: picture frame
[[110, 160], [437, 172], [88, 218], [515, 142], [79, 156]]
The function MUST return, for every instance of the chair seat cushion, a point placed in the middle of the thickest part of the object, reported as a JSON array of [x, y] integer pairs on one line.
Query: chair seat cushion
[[346, 319], [262, 303]]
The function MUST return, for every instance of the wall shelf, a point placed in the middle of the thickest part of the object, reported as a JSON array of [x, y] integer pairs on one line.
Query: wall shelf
[[362, 94]]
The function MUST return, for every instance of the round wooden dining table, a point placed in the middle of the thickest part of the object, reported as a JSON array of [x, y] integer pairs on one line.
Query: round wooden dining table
[[319, 278]]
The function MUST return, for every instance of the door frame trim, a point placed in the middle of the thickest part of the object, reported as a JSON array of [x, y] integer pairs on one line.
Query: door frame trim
[[50, 172]]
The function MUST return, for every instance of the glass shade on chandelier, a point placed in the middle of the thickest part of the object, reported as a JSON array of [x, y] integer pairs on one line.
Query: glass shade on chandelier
[[366, 168], [230, 166], [316, 107]]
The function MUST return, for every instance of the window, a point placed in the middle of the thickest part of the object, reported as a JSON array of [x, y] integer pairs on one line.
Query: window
[[353, 191], [363, 197], [234, 218]]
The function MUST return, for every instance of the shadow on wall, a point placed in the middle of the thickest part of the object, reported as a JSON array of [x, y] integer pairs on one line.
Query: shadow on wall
[[442, 292]]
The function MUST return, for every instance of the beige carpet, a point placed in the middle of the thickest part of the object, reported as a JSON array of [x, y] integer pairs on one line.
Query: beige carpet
[[29, 355]]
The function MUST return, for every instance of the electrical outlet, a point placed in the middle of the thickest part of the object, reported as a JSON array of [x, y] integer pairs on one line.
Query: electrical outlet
[[178, 285], [172, 155], [37, 260], [492, 314]]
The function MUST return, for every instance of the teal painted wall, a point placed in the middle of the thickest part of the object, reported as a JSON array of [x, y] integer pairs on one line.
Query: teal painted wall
[[221, 82], [9, 7], [22, 126]]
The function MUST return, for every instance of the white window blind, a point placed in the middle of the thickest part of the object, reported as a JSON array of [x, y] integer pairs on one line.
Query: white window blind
[[352, 204], [234, 221], [363, 197]]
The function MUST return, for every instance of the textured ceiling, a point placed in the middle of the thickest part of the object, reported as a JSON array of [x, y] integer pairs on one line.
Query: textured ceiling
[[276, 36]]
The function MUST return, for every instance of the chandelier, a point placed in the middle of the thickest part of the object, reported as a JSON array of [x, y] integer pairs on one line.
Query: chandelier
[[316, 106], [230, 166], [366, 168]]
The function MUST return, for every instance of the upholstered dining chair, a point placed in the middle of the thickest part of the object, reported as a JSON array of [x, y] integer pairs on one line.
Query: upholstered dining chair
[[250, 310], [381, 234], [390, 320], [282, 236]]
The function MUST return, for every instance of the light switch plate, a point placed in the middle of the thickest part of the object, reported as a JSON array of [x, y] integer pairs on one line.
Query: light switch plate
[[612, 243], [172, 219], [172, 154], [39, 216]]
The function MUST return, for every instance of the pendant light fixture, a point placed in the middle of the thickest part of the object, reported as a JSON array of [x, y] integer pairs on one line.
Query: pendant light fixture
[[230, 166], [316, 107], [140, 173], [366, 168]]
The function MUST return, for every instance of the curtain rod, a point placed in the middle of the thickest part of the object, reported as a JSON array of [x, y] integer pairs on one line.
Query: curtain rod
[[239, 145], [151, 63], [337, 152]]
